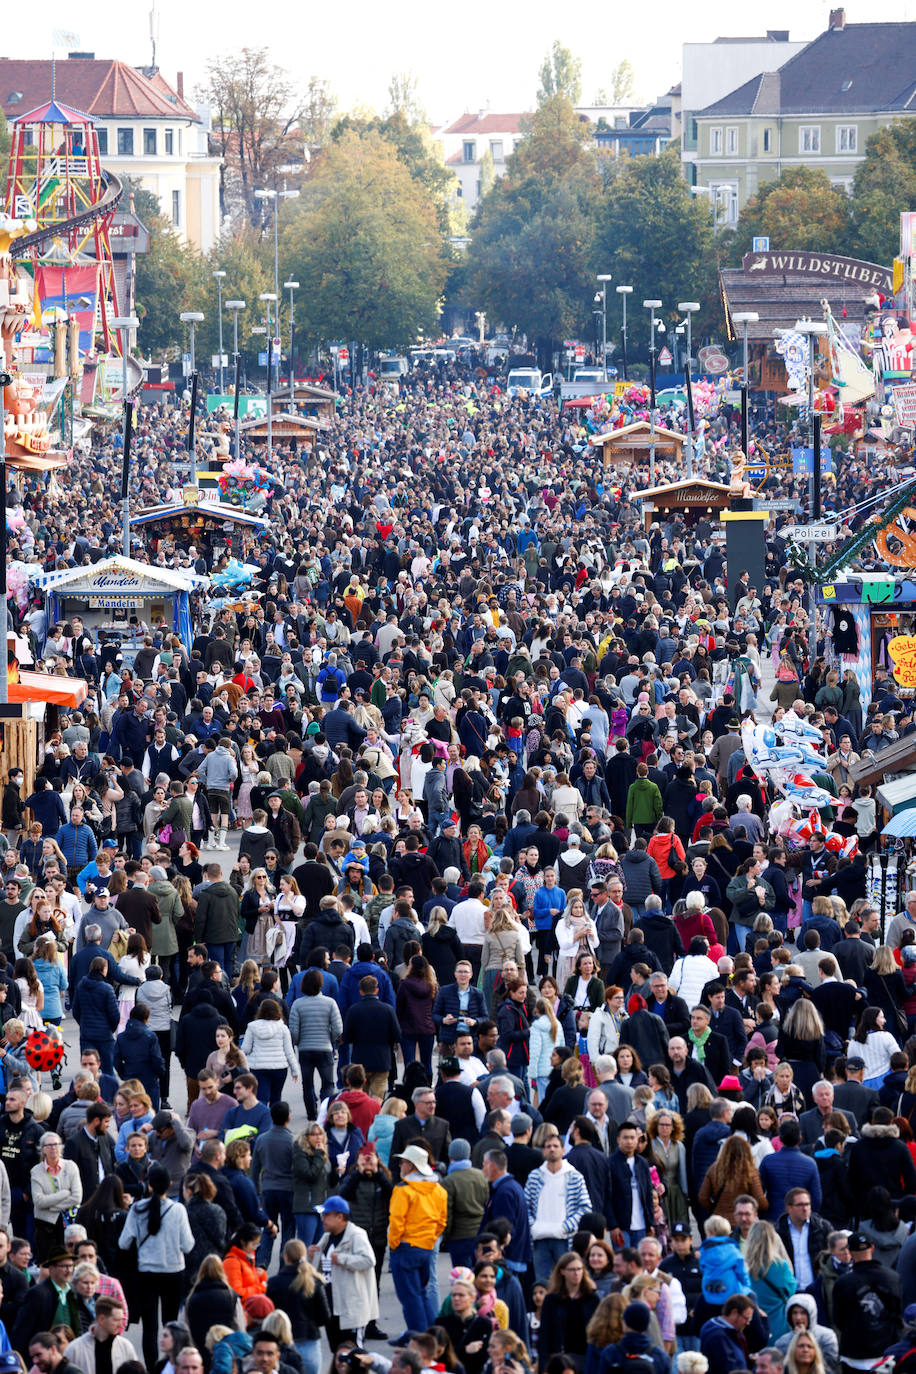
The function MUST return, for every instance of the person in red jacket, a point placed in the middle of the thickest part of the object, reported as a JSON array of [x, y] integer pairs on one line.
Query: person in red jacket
[[363, 1108]]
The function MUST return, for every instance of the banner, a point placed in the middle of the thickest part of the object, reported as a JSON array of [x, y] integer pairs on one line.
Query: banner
[[74, 289]]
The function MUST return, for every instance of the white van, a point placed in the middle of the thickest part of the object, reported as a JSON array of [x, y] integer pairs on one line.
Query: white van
[[391, 368], [529, 381]]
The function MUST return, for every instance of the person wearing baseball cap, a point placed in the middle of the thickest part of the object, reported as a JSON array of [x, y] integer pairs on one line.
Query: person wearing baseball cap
[[866, 1305], [419, 1209], [346, 1261]]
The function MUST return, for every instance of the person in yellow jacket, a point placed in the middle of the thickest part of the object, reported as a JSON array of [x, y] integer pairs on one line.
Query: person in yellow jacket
[[416, 1220]]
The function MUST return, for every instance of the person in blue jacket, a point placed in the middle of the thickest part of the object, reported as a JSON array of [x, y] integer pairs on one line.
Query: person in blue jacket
[[721, 1263], [95, 1008]]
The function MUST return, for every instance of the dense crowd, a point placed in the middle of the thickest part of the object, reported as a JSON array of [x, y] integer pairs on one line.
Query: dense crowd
[[508, 906]]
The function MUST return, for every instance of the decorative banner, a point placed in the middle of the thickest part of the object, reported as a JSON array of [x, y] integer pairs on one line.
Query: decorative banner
[[904, 398], [902, 650], [75, 290]]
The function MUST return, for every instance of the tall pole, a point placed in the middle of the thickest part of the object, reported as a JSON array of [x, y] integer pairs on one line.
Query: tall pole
[[277, 252], [623, 292], [192, 452], [652, 306], [125, 477], [291, 286], [688, 308], [219, 288], [604, 278], [235, 307], [812, 329], [268, 299]]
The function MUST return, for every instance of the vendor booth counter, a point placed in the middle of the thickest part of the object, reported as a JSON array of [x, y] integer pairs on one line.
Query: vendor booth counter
[[870, 609], [119, 596]]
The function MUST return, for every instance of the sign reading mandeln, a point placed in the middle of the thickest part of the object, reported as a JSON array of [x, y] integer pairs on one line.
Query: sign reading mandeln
[[824, 265]]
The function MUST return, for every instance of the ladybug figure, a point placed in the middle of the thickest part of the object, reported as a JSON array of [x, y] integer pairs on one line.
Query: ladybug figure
[[44, 1051]]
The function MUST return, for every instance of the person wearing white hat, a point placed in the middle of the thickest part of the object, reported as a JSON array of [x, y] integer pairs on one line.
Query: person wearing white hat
[[416, 1220]]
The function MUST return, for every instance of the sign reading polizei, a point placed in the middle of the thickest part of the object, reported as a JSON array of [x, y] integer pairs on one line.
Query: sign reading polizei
[[826, 266]]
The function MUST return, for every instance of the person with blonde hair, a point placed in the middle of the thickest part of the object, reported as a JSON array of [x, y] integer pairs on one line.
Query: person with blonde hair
[[298, 1291], [546, 1034], [722, 1266], [804, 1355], [381, 1132], [772, 1279]]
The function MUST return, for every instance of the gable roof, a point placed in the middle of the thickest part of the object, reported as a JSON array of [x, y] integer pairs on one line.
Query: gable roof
[[858, 69], [486, 123], [101, 87]]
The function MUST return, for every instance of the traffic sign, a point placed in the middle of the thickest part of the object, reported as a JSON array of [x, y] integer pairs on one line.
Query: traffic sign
[[807, 534], [712, 359], [782, 503], [761, 244], [665, 357], [343, 355]]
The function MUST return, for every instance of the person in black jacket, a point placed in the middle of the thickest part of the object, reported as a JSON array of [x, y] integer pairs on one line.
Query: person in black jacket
[[775, 875], [625, 1167], [866, 1304], [91, 1149], [372, 1032], [420, 1124], [296, 1290], [662, 1002], [212, 1161], [38, 1311], [514, 1026], [211, 1302], [707, 1046], [196, 1038], [592, 1163], [660, 934]]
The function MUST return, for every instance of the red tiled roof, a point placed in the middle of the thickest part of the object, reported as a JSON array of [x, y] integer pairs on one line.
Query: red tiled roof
[[102, 88], [486, 124]]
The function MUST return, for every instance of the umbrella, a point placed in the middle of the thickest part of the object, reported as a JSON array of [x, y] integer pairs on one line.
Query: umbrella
[[903, 824]]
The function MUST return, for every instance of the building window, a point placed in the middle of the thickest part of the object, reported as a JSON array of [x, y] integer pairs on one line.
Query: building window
[[103, 142], [125, 143], [768, 140], [715, 142], [169, 142], [496, 149], [847, 138], [731, 141], [469, 151], [809, 138], [149, 142], [180, 149], [176, 209]]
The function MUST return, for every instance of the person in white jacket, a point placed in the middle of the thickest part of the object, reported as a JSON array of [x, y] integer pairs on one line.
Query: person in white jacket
[[692, 972], [109, 1318], [605, 1025], [268, 1047], [545, 1036], [56, 1189]]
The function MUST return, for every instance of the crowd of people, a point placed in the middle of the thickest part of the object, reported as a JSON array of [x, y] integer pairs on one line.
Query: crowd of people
[[508, 909]]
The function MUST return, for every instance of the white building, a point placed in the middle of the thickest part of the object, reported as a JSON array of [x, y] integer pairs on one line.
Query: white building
[[146, 130], [467, 141]]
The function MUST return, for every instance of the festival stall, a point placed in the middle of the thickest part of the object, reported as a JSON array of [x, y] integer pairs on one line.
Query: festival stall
[[119, 598], [307, 399], [204, 524], [304, 429], [868, 612], [693, 499], [631, 444]]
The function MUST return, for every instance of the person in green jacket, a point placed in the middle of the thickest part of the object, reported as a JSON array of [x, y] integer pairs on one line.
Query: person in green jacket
[[216, 923], [644, 802]]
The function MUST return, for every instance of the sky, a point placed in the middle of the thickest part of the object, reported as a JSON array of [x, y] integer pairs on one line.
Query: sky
[[466, 56]]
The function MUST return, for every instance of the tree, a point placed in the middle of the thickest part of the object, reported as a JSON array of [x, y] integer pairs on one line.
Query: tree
[[414, 147], [623, 83], [404, 98], [530, 260], [801, 209], [317, 115], [249, 268], [652, 233], [167, 277], [560, 74], [885, 185], [255, 112], [364, 243]]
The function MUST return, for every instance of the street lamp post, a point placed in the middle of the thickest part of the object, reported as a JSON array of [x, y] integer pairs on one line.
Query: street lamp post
[[652, 306], [192, 318], [269, 298], [689, 308], [124, 324], [623, 292], [604, 278], [235, 307], [291, 286], [219, 288], [276, 197], [745, 318], [812, 330]]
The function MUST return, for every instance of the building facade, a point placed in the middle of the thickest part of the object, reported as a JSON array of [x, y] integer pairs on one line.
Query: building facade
[[147, 131], [817, 110]]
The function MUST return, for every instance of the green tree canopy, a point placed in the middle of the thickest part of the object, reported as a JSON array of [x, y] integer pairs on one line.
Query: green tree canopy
[[411, 140], [247, 261], [529, 261], [885, 185], [364, 243], [800, 209], [560, 74], [654, 235]]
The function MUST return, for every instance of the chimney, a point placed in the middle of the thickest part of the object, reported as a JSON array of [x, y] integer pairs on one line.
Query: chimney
[[837, 20], [179, 84]]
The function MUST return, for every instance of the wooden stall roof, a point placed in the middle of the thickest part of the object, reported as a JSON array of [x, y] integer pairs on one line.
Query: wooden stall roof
[[638, 435], [899, 757], [690, 490], [283, 424], [305, 391]]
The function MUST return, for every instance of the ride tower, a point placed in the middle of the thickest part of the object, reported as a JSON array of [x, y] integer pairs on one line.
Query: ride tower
[[56, 179]]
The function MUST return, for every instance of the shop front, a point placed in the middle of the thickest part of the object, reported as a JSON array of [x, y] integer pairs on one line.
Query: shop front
[[120, 600]]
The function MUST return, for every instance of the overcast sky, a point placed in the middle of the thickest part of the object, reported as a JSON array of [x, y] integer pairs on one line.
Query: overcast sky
[[466, 56]]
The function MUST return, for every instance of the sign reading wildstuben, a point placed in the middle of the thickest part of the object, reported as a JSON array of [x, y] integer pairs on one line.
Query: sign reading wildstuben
[[826, 266]]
